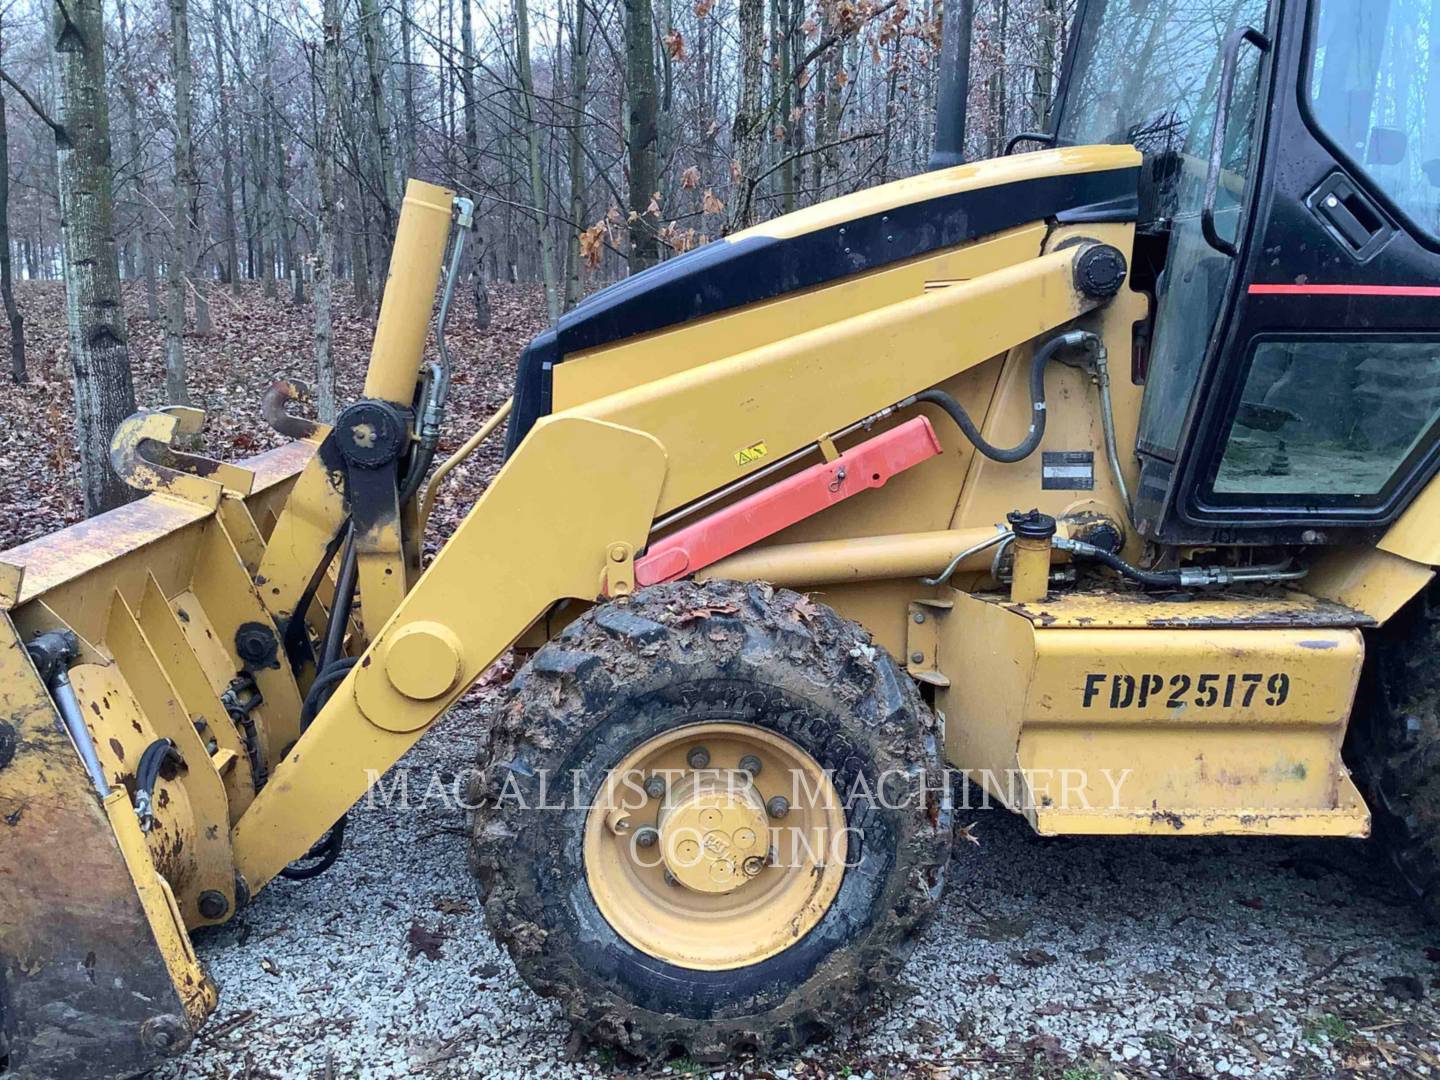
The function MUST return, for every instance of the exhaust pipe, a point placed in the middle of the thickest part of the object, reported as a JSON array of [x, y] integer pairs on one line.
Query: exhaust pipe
[[954, 96]]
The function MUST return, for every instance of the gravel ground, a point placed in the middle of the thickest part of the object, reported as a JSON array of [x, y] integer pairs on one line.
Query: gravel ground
[[1071, 960]]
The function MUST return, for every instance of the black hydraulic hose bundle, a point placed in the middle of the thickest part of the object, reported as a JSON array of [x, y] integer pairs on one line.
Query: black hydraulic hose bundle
[[1073, 339], [1153, 579], [296, 639], [154, 758], [333, 670], [327, 849]]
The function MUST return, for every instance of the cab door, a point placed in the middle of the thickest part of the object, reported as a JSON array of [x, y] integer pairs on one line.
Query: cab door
[[1320, 409]]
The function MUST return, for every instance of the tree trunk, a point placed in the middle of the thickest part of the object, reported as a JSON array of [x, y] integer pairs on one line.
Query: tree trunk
[[144, 216], [467, 89], [7, 288], [284, 222], [359, 263], [1049, 29], [532, 142], [407, 86], [182, 246], [999, 93], [371, 29], [791, 101], [227, 151], [640, 92], [259, 168], [325, 225], [200, 277], [579, 78], [95, 312], [748, 130]]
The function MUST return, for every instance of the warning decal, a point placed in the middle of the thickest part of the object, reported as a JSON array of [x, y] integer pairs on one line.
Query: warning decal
[[751, 454]]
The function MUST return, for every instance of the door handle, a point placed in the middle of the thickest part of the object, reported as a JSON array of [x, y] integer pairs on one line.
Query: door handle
[[1350, 216], [1229, 65]]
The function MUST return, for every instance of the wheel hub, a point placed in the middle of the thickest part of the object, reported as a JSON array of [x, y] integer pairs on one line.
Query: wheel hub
[[716, 845], [713, 831]]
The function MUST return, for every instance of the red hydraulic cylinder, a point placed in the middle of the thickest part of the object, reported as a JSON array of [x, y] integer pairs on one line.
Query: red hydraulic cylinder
[[783, 503]]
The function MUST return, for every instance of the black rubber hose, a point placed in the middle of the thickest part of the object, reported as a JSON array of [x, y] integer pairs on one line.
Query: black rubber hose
[[1155, 579], [414, 476], [327, 849], [323, 686], [296, 638], [956, 411], [345, 582], [147, 773]]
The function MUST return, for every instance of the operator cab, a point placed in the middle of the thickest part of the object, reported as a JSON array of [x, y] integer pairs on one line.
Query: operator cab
[[1292, 361]]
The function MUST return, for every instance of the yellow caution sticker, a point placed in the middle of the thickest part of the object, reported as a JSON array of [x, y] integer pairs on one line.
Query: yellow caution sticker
[[751, 454]]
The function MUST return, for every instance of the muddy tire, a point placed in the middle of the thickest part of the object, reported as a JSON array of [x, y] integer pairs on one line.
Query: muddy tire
[[723, 653], [1393, 747]]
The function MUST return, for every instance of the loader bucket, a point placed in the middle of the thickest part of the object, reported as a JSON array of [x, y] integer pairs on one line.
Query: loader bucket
[[97, 974], [154, 667]]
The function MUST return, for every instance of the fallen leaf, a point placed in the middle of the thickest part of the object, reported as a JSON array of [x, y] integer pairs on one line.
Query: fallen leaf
[[1032, 958], [704, 611], [422, 939]]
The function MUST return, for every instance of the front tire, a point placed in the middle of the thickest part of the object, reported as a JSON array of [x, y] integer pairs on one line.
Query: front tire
[[729, 658]]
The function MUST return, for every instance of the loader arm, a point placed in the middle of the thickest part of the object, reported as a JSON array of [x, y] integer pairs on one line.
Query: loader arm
[[580, 494]]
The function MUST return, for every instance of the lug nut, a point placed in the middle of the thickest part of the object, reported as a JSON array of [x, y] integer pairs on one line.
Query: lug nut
[[646, 837], [655, 788], [670, 878], [212, 904], [750, 764], [698, 757], [753, 865], [778, 806]]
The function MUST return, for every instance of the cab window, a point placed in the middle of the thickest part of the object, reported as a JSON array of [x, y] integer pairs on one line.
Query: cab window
[[1330, 419], [1374, 91]]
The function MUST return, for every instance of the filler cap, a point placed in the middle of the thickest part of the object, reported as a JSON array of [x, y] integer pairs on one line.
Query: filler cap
[[1031, 525]]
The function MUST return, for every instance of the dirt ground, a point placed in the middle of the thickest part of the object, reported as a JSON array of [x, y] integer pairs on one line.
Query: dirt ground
[[1070, 960]]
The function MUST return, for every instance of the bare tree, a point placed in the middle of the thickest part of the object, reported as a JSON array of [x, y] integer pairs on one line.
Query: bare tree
[[579, 80], [182, 249], [387, 189], [144, 213], [325, 163], [227, 147], [532, 147], [7, 286], [640, 92], [749, 127], [95, 312]]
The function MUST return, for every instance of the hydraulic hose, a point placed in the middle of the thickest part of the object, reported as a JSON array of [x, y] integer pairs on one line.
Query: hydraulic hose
[[344, 600], [438, 384], [327, 849], [147, 773], [1151, 579], [297, 642], [1187, 577], [1072, 339], [333, 669], [1107, 422]]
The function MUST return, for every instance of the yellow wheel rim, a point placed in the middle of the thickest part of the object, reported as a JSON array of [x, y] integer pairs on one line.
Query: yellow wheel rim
[[698, 861]]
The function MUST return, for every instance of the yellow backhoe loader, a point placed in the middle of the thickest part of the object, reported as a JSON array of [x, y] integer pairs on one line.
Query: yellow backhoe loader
[[1096, 480]]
